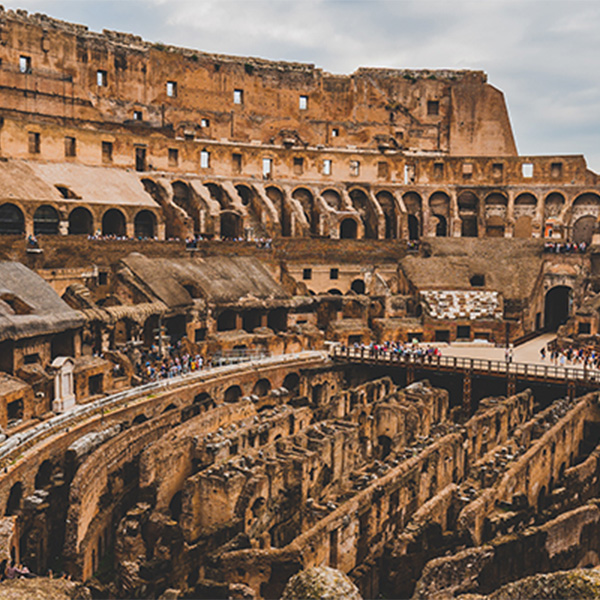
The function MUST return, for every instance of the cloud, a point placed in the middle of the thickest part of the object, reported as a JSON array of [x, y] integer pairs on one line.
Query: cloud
[[541, 53]]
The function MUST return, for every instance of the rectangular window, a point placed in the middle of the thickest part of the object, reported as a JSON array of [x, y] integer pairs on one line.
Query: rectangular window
[[267, 164], [334, 273], [238, 96], [204, 123], [298, 165], [327, 166], [236, 162], [438, 170], [25, 64], [171, 89], [497, 170], [467, 170], [354, 168], [307, 274], [527, 169], [433, 108], [584, 328], [173, 157], [101, 78], [204, 159], [34, 142], [382, 170], [463, 332], [103, 278], [303, 102], [200, 334], [409, 174], [137, 115], [107, 151], [140, 159], [335, 132], [70, 146], [556, 169]]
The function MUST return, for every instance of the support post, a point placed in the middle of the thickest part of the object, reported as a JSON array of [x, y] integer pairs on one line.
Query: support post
[[466, 401]]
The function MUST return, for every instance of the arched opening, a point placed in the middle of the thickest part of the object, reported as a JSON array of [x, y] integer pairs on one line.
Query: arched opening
[[257, 506], [364, 206], [583, 229], [553, 205], [43, 476], [439, 205], [45, 220], [282, 207], [292, 383], [251, 319], [557, 307], [468, 211], [249, 199], [358, 286], [495, 214], [171, 406], [145, 224], [141, 418], [81, 221], [227, 321], [385, 446], [348, 229], [113, 222], [309, 207], [541, 500], [413, 228], [204, 400], [232, 394], [261, 388], [231, 225], [390, 213], [14, 499], [11, 220], [182, 197]]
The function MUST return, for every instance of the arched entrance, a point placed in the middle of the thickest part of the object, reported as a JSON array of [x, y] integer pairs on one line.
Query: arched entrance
[[113, 222], [231, 225], [557, 307], [145, 224], [583, 229], [45, 220], [11, 219], [348, 229], [80, 221]]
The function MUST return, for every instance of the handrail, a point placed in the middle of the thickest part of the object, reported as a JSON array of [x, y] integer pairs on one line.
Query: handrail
[[485, 365]]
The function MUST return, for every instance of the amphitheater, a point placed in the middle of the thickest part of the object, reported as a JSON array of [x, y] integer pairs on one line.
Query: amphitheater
[[258, 320]]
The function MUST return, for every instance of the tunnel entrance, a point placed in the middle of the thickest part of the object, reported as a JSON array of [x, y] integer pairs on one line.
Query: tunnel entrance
[[557, 307]]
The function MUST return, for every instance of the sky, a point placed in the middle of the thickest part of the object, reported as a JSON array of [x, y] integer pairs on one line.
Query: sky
[[543, 54]]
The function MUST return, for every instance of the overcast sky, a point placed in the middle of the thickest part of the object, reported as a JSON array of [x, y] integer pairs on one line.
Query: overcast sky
[[543, 54]]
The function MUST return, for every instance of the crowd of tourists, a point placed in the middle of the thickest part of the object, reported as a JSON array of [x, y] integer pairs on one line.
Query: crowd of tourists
[[400, 349], [565, 247], [152, 365], [587, 356], [16, 571], [191, 243]]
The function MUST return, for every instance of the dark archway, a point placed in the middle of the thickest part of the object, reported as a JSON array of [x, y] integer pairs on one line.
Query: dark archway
[[14, 499], [358, 286], [309, 207], [441, 227], [365, 208], [348, 229], [231, 225], [232, 394], [292, 383], [261, 388], [413, 227], [557, 307], [81, 221], [227, 321], [145, 224], [45, 220], [43, 476], [583, 229], [11, 220], [113, 222]]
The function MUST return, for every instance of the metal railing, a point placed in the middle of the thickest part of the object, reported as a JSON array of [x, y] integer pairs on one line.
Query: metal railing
[[584, 374]]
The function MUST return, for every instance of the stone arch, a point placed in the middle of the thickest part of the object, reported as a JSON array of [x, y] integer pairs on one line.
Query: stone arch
[[113, 222], [388, 205], [583, 229], [12, 220], [232, 394], [585, 205], [81, 221], [216, 192], [291, 383], [553, 204], [278, 199], [309, 207], [184, 198], [365, 208], [413, 203], [439, 206], [348, 229], [468, 211], [15, 496], [141, 418], [45, 220], [495, 214], [358, 286], [332, 198], [231, 224], [557, 306], [250, 200], [262, 387], [43, 476], [145, 224]]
